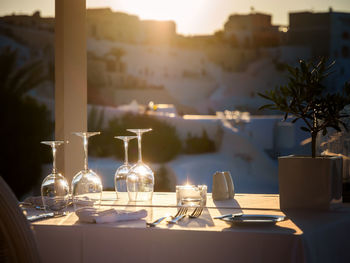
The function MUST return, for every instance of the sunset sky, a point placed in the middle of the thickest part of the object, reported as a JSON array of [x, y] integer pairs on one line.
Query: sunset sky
[[191, 16]]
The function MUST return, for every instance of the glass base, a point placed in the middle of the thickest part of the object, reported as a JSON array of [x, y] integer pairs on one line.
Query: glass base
[[140, 196], [87, 200]]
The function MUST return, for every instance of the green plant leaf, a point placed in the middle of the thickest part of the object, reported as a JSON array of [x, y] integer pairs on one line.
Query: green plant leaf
[[305, 129], [336, 127], [267, 106], [295, 120], [264, 96], [324, 132]]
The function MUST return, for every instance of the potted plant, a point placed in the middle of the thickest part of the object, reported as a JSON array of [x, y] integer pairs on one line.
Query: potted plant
[[310, 181]]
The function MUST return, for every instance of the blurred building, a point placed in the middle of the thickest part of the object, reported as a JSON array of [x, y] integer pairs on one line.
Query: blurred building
[[32, 21], [153, 31], [328, 35], [168, 110], [103, 23], [252, 30]]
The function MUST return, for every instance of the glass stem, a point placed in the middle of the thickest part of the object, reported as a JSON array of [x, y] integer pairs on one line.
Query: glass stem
[[54, 170], [86, 153], [139, 143], [126, 161]]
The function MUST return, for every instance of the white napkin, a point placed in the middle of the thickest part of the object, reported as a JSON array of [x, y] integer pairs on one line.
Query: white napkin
[[93, 215]]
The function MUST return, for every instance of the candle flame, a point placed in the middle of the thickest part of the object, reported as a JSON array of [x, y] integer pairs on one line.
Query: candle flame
[[187, 182]]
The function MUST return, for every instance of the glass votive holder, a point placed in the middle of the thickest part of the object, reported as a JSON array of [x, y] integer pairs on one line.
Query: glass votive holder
[[191, 195]]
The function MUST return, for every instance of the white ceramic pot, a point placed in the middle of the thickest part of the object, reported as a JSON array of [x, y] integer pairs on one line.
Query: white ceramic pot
[[230, 185], [220, 189], [312, 183]]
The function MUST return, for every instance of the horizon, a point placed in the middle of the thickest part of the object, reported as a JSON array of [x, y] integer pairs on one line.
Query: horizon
[[187, 21]]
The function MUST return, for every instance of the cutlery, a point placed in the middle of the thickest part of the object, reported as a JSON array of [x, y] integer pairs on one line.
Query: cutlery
[[156, 222], [179, 215], [37, 207], [254, 219], [197, 212], [30, 205], [44, 216], [228, 215]]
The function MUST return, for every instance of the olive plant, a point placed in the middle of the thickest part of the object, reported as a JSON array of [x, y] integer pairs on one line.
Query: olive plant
[[306, 97]]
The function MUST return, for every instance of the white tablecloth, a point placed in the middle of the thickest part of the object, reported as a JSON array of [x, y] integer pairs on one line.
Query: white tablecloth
[[305, 237]]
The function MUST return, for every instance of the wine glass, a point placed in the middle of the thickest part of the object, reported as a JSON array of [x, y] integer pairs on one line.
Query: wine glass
[[86, 184], [54, 188], [140, 180], [123, 170]]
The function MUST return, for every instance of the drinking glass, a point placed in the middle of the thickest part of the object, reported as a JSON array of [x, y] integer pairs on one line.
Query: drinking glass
[[86, 184], [54, 188], [123, 170], [140, 180]]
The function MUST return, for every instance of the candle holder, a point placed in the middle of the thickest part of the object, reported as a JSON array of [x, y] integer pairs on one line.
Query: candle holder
[[191, 195]]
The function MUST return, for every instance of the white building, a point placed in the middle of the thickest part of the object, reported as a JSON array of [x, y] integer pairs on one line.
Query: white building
[[328, 35]]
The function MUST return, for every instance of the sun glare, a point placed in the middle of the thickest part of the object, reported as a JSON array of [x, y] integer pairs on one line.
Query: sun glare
[[182, 12]]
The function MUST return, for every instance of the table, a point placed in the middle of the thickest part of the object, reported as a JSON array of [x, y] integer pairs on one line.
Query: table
[[307, 236]]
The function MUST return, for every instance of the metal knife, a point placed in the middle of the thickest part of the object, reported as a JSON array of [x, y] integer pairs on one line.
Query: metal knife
[[40, 217], [228, 215], [43, 216]]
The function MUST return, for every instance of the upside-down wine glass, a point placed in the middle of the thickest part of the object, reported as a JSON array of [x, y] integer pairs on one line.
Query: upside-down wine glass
[[140, 180], [123, 170], [54, 188], [86, 184]]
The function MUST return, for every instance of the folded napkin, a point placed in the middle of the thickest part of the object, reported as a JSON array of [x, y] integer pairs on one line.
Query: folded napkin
[[93, 215]]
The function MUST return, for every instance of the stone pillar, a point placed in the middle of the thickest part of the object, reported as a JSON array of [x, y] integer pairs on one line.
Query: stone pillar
[[70, 83]]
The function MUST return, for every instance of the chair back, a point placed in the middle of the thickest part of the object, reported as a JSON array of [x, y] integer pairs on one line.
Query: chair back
[[17, 241]]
